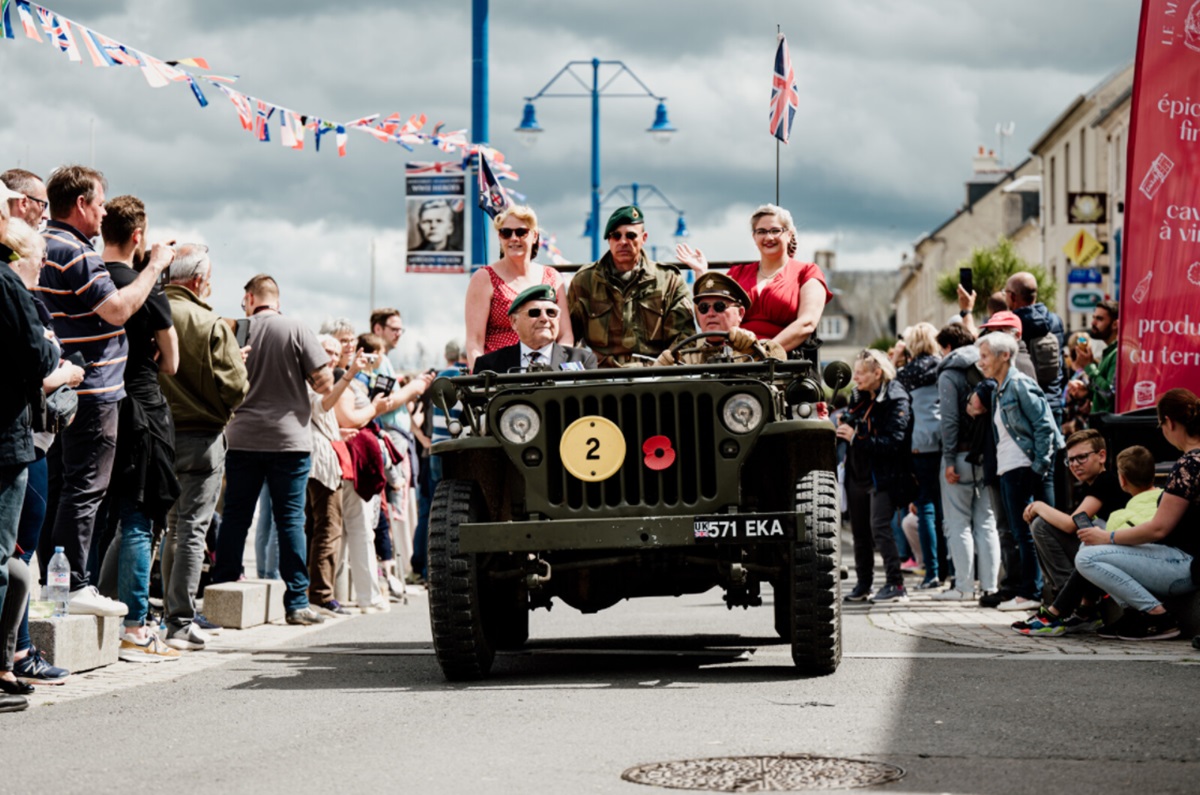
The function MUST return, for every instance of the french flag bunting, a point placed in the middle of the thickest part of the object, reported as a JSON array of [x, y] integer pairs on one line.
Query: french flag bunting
[[341, 141], [785, 95], [291, 130], [27, 20]]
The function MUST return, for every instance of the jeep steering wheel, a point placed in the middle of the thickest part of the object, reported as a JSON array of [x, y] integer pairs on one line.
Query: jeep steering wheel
[[678, 349]]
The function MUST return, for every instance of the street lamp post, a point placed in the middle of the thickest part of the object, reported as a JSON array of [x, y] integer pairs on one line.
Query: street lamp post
[[661, 128], [631, 194]]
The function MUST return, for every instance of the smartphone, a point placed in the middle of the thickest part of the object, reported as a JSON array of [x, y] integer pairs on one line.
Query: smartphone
[[1082, 520], [241, 331], [966, 277]]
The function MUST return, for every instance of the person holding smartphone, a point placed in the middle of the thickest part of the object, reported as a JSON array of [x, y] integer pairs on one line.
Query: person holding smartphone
[[1101, 376]]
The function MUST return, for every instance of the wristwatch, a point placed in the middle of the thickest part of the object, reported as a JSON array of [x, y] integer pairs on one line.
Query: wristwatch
[[963, 313]]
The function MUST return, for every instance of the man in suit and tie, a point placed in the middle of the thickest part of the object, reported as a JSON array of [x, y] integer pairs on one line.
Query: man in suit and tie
[[534, 316]]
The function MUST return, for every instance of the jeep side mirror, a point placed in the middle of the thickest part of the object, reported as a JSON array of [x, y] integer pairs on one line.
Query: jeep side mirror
[[836, 375]]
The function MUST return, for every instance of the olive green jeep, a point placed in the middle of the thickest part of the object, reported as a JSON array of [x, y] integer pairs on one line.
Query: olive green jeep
[[601, 485]]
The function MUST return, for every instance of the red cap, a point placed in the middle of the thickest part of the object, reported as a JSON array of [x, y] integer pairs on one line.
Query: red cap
[[1003, 320]]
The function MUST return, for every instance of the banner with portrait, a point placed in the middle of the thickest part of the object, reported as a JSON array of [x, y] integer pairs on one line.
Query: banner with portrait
[[1160, 282], [435, 204]]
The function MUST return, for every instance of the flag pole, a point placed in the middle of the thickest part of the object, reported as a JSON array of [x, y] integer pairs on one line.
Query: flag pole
[[778, 33]]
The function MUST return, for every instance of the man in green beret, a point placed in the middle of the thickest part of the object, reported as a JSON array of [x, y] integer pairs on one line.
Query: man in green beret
[[625, 305], [721, 303], [534, 316]]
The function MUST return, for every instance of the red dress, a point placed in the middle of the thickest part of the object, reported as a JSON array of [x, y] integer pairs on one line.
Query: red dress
[[500, 332], [775, 302]]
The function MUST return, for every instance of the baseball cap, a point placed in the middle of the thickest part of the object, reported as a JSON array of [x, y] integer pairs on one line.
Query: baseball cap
[[1003, 320]]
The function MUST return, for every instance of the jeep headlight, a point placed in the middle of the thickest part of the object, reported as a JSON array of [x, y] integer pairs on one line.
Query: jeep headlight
[[519, 423], [742, 413]]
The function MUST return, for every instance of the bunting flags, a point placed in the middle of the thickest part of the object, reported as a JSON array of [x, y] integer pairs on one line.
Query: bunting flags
[[27, 21], [59, 32], [6, 28]]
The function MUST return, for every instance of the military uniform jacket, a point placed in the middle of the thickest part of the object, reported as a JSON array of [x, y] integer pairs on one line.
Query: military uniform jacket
[[617, 318], [746, 345]]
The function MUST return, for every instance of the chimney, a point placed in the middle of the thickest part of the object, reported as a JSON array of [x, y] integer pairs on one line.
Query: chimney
[[826, 260], [985, 161]]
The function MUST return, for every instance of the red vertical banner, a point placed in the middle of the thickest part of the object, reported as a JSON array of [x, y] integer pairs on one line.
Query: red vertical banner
[[1160, 279]]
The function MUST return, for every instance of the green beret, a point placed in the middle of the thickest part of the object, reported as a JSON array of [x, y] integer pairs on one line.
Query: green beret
[[539, 292], [630, 214], [718, 284]]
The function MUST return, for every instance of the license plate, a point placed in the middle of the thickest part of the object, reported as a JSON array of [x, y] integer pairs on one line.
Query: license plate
[[757, 527]]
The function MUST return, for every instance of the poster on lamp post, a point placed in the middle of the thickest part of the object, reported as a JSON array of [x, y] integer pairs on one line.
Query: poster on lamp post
[[435, 201], [1160, 282]]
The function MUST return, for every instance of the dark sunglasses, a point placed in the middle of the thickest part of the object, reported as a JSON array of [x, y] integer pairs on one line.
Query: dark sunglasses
[[626, 235], [536, 312], [716, 306], [507, 233]]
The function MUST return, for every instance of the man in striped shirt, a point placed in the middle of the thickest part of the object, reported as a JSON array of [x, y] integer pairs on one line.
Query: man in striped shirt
[[88, 313]]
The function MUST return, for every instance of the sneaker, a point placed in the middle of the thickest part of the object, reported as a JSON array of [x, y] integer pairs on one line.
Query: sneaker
[[909, 565], [150, 649], [953, 595], [87, 601], [930, 585], [189, 638], [333, 608], [201, 622], [1017, 604], [1147, 626], [33, 668], [379, 604], [890, 593], [305, 616], [861, 593], [395, 586], [994, 598], [1077, 623], [12, 703], [1123, 624], [1042, 623]]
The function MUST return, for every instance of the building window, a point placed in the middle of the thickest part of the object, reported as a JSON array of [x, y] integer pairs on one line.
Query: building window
[[1066, 168], [1053, 191], [1082, 160], [833, 327]]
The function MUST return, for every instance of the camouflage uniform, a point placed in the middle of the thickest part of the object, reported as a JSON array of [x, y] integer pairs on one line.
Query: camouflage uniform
[[741, 341], [616, 318]]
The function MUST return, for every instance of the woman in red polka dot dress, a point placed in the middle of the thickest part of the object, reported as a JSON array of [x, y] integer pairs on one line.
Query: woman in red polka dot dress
[[493, 287]]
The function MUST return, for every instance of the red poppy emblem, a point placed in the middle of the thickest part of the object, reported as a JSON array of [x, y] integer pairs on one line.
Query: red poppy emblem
[[659, 454]]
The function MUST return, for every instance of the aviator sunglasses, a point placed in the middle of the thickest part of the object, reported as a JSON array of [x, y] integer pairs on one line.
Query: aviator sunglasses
[[536, 312], [716, 306], [507, 233], [627, 235]]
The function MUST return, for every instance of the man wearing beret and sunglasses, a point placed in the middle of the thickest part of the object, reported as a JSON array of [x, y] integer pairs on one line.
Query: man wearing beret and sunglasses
[[534, 315], [721, 303], [625, 305]]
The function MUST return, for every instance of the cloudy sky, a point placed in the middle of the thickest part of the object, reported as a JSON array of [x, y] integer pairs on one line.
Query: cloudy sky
[[895, 95]]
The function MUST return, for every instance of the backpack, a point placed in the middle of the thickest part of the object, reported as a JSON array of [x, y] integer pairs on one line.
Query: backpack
[[1047, 359], [974, 431]]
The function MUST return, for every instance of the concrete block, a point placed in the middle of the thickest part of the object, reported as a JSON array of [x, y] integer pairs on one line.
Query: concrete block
[[237, 605], [240, 605], [77, 643]]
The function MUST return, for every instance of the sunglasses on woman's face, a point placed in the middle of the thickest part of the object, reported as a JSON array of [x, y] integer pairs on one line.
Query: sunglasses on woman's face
[[627, 236], [507, 233], [716, 306], [536, 312]]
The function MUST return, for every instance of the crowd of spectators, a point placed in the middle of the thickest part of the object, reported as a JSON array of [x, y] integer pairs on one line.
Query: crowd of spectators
[[953, 444], [135, 411]]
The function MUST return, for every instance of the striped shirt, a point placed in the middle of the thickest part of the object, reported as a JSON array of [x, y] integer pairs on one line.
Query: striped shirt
[[73, 285]]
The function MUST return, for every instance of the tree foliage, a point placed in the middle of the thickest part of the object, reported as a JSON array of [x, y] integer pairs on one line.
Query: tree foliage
[[990, 269]]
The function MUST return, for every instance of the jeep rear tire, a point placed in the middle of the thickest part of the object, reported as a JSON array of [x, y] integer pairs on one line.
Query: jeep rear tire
[[815, 584], [460, 644]]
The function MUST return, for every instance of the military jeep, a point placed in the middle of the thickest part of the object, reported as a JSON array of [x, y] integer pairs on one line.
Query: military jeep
[[601, 485]]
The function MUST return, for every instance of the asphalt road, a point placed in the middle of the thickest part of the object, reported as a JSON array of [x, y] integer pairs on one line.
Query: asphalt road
[[361, 705]]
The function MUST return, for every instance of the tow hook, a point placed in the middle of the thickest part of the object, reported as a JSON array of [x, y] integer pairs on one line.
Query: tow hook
[[538, 574]]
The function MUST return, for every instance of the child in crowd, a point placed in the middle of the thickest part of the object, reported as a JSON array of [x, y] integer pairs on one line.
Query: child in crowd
[[1077, 600]]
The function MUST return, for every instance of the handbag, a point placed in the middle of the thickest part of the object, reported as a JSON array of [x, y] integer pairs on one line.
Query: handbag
[[61, 405]]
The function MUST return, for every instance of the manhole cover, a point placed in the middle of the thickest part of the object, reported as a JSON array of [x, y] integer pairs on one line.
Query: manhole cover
[[763, 773]]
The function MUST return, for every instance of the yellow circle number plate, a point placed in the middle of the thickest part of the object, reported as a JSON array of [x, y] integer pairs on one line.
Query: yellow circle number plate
[[592, 448]]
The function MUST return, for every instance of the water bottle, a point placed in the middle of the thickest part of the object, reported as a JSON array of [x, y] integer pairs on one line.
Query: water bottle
[[58, 587]]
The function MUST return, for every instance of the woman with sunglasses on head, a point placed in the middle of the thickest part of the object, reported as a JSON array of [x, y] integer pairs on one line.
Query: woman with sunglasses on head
[[787, 296], [1140, 566], [493, 288]]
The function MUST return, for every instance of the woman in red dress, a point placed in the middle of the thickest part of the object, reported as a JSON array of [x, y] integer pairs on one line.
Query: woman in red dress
[[493, 287], [787, 296]]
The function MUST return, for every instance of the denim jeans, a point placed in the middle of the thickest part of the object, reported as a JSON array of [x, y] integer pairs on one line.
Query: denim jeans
[[12, 495], [1020, 487], [929, 525], [286, 475], [199, 466], [1137, 577], [133, 573], [971, 527], [427, 483], [33, 514], [81, 462], [266, 540]]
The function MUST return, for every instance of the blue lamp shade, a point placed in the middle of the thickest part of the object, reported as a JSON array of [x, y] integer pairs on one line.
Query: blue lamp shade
[[681, 229], [589, 227], [662, 127], [529, 123]]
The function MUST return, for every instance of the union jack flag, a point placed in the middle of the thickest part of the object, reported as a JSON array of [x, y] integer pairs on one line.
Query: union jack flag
[[242, 103], [443, 167], [58, 31], [785, 95]]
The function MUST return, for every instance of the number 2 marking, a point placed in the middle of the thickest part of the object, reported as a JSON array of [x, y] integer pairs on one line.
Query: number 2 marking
[[593, 447]]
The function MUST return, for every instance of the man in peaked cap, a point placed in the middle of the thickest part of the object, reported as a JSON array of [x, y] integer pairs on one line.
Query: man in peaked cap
[[720, 304], [625, 305], [534, 316]]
